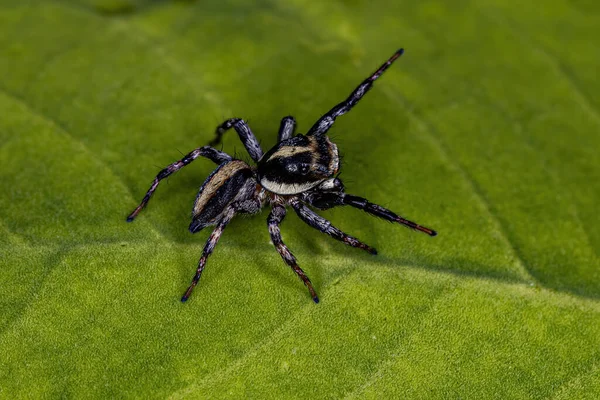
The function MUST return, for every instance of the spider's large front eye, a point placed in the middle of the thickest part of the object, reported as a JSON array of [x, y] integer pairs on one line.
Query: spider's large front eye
[[298, 168], [304, 168]]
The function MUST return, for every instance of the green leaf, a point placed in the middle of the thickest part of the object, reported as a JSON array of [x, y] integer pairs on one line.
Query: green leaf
[[487, 130]]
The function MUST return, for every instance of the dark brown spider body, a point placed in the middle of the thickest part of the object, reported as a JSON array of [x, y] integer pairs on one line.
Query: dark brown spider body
[[299, 171]]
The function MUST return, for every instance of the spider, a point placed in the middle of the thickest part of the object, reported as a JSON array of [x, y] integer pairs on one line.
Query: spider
[[299, 171]]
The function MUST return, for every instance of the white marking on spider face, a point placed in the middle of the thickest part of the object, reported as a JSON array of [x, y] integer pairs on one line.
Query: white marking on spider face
[[287, 188], [328, 184]]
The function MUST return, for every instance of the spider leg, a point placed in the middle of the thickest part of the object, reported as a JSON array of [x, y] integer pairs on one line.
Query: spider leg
[[316, 221], [218, 157], [286, 129], [324, 123], [245, 134], [327, 200], [208, 249], [276, 216], [381, 212]]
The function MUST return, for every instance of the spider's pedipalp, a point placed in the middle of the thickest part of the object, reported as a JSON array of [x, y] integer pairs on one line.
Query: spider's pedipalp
[[331, 185], [275, 218], [214, 237], [316, 221], [286, 128], [326, 121], [245, 134], [214, 155]]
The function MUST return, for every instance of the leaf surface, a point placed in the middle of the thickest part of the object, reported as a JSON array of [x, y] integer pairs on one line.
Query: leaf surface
[[487, 130]]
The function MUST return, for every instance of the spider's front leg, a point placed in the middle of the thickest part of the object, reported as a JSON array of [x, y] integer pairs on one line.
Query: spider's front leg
[[208, 249], [275, 218], [327, 199], [326, 121], [321, 224], [218, 157], [381, 212], [245, 134]]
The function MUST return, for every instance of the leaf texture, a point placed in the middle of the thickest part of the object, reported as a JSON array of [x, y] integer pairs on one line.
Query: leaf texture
[[487, 130]]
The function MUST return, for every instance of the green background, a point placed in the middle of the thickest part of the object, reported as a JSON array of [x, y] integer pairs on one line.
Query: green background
[[487, 130]]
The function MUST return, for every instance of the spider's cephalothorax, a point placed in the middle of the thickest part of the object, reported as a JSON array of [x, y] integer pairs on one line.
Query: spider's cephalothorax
[[298, 172], [298, 164]]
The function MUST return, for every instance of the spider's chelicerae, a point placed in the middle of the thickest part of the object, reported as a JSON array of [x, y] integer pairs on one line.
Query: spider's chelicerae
[[299, 171]]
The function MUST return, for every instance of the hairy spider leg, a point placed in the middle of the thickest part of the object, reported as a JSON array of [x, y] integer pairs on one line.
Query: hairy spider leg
[[326, 121], [246, 136], [208, 249], [331, 199], [378, 211], [286, 128], [218, 157], [316, 221], [275, 218]]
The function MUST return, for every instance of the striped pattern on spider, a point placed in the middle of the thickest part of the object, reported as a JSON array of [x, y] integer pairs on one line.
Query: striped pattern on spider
[[299, 171]]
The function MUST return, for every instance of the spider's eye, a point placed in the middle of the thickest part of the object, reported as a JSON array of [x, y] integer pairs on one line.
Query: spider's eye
[[298, 168], [304, 168]]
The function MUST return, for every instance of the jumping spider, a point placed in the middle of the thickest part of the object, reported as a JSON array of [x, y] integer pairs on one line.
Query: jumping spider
[[299, 171]]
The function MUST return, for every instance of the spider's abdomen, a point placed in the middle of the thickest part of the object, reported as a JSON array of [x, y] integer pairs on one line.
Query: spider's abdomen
[[231, 181], [298, 164]]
